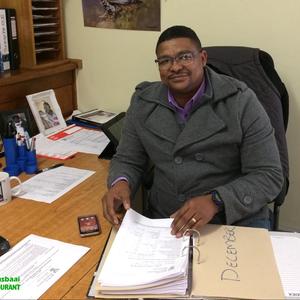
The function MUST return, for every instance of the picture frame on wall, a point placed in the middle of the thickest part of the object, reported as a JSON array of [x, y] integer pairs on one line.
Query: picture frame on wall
[[46, 112], [21, 121]]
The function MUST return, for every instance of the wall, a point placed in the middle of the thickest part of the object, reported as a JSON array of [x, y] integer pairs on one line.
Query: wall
[[114, 61]]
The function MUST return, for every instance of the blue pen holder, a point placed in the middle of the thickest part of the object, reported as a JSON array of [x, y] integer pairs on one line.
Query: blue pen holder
[[31, 163], [11, 154], [21, 156], [18, 158]]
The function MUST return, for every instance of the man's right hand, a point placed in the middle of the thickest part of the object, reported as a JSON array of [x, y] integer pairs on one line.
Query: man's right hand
[[116, 197]]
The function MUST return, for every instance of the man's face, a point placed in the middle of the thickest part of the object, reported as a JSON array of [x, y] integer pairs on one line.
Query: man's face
[[182, 78], [46, 107]]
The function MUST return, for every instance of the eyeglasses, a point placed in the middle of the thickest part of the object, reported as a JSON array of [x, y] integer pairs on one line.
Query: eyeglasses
[[185, 58]]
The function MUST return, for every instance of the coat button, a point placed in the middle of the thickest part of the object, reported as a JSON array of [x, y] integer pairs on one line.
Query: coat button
[[178, 160], [199, 156], [247, 200], [181, 197]]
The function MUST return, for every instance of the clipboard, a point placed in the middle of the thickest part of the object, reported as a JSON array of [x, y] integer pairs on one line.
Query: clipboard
[[255, 276]]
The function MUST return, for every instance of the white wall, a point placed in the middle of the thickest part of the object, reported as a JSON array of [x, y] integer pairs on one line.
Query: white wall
[[114, 61]]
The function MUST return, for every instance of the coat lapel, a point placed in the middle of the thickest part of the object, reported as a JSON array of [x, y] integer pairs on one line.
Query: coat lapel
[[162, 123], [202, 124]]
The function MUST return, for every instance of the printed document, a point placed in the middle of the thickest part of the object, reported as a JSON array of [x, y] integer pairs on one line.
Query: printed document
[[35, 264], [68, 142], [81, 139], [287, 254], [53, 149], [144, 256], [50, 185]]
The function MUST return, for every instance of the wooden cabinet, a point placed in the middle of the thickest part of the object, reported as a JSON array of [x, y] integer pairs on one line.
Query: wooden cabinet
[[40, 31], [43, 62], [14, 86]]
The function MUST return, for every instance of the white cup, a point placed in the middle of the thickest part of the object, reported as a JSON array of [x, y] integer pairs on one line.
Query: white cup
[[6, 192]]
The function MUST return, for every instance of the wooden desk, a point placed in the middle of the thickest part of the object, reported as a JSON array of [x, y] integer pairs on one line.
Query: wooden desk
[[58, 220]]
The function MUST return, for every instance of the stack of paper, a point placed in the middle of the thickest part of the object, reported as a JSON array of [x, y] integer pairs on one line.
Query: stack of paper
[[286, 247], [145, 259]]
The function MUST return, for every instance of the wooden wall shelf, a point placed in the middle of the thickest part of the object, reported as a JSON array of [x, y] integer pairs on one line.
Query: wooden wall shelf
[[14, 86], [40, 30], [43, 61]]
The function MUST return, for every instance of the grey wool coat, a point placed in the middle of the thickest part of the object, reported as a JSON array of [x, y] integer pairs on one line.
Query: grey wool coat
[[227, 144]]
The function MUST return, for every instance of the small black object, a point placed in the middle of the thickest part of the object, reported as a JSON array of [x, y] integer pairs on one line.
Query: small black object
[[4, 245], [10, 130], [49, 168], [113, 130]]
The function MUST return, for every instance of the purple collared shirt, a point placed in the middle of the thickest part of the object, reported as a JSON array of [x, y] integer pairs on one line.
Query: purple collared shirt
[[184, 112]]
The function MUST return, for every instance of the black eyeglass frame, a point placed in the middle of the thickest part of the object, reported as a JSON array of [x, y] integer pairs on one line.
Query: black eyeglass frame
[[168, 61]]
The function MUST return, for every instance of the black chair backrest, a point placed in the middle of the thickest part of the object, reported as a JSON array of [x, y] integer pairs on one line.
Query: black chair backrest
[[256, 68]]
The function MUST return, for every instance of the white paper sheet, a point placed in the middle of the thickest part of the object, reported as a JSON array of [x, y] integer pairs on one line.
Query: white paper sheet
[[71, 140], [144, 252], [53, 149], [38, 262], [287, 254], [85, 140], [50, 185]]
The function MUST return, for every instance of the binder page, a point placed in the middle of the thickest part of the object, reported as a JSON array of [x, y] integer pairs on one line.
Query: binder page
[[287, 254], [34, 264], [145, 253]]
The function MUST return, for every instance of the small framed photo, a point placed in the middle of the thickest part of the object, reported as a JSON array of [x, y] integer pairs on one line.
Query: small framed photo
[[46, 112], [21, 121]]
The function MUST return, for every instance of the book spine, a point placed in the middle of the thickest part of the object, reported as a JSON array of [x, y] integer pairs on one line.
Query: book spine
[[4, 48], [12, 35], [1, 64]]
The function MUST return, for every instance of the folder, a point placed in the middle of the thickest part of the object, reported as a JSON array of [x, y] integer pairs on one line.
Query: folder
[[228, 262], [12, 35], [4, 48]]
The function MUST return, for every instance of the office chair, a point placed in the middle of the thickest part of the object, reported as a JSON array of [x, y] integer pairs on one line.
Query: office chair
[[256, 68]]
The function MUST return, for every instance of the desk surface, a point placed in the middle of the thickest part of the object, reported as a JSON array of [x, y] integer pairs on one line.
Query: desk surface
[[58, 220]]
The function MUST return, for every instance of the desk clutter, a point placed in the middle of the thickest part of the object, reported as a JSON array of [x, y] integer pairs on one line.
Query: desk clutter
[[94, 132], [20, 154]]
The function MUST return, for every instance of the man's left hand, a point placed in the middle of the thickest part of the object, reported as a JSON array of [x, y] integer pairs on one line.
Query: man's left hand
[[195, 213]]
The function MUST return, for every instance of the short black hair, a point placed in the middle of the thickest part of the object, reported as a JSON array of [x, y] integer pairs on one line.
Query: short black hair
[[178, 31]]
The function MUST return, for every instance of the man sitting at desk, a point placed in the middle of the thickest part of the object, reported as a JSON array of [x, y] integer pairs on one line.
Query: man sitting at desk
[[211, 143]]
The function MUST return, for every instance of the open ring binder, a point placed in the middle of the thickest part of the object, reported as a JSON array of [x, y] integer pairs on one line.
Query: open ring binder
[[193, 231], [217, 276], [197, 250], [191, 246]]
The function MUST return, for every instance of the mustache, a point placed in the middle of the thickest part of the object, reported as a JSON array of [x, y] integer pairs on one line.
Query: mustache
[[178, 74]]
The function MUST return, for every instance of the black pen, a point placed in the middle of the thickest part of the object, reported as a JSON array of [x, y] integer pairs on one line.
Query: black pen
[[49, 168]]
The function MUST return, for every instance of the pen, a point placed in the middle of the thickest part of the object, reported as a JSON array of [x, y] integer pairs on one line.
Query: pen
[[49, 168]]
